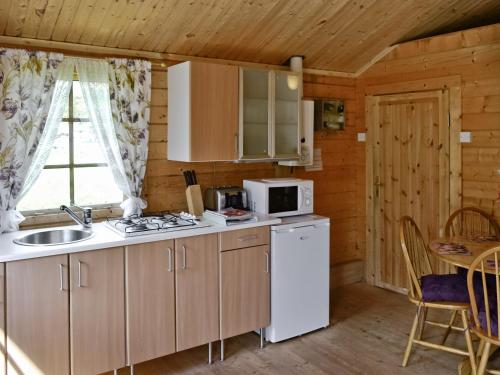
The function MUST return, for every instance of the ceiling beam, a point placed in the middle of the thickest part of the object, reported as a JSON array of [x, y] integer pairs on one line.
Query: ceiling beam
[[156, 57]]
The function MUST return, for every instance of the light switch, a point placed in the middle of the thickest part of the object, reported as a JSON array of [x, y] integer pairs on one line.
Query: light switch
[[361, 137], [465, 137]]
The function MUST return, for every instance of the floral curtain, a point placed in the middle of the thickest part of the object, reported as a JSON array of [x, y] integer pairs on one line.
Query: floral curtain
[[27, 81], [130, 93]]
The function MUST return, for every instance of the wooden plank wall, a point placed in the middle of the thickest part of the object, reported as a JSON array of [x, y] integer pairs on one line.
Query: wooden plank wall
[[164, 186], [473, 55], [338, 188]]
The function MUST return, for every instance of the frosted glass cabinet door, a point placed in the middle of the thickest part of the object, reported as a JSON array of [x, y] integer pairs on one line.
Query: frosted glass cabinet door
[[255, 122], [286, 114]]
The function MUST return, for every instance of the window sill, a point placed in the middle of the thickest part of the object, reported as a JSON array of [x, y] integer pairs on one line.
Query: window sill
[[54, 219]]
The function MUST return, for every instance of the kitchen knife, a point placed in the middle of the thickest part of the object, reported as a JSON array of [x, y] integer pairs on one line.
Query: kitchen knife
[[195, 179], [186, 177]]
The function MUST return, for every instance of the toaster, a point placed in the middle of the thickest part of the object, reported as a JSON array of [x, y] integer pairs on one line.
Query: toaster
[[218, 198]]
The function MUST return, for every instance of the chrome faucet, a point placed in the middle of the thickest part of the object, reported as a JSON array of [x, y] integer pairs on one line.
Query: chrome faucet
[[86, 222]]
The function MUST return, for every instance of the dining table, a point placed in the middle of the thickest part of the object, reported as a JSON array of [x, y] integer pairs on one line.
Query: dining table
[[461, 252]]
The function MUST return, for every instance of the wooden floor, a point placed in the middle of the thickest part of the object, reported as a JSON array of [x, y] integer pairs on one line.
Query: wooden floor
[[368, 334]]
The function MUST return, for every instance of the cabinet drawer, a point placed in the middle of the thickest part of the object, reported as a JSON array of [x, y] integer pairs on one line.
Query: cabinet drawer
[[241, 238]]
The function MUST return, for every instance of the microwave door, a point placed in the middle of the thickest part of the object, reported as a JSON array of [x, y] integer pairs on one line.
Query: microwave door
[[283, 200]]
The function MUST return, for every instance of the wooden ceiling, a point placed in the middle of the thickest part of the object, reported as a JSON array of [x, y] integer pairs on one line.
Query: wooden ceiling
[[338, 35]]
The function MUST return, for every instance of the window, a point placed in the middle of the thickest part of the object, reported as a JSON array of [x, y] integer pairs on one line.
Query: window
[[76, 172]]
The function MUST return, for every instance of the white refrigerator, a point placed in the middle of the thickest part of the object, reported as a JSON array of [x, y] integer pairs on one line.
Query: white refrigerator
[[300, 276]]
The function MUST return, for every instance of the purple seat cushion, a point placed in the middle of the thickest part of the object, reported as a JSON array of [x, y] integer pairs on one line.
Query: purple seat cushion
[[444, 288], [493, 320]]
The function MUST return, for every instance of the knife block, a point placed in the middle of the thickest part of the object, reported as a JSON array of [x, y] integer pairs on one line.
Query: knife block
[[194, 200]]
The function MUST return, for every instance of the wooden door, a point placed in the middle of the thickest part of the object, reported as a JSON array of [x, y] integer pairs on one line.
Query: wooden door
[[38, 316], [197, 291], [214, 111], [408, 173], [97, 311], [150, 298], [244, 290]]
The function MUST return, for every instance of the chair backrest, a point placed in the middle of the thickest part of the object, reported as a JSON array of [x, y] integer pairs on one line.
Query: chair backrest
[[484, 292], [415, 254], [471, 222]]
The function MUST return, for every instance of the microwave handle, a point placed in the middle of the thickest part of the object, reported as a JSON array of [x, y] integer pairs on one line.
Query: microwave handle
[[301, 198]]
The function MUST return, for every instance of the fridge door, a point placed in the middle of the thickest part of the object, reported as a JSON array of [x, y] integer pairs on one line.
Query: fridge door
[[300, 284]]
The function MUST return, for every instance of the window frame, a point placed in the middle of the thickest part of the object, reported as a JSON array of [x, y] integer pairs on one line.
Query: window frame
[[109, 208]]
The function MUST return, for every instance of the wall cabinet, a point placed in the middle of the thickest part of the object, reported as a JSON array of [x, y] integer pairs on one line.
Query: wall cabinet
[[150, 299], [222, 112], [197, 291], [97, 311], [38, 316], [270, 115], [203, 115]]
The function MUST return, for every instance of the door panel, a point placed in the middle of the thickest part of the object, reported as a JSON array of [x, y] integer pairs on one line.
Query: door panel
[[197, 291], [409, 142], [97, 311], [150, 300], [245, 292], [38, 316]]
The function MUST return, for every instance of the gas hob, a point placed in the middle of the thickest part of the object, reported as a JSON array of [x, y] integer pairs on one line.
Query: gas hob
[[140, 225]]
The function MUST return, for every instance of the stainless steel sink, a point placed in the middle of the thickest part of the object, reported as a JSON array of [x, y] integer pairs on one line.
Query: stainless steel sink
[[54, 237]]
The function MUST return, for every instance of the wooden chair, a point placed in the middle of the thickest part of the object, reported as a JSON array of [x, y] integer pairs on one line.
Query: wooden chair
[[471, 222], [418, 266], [484, 291]]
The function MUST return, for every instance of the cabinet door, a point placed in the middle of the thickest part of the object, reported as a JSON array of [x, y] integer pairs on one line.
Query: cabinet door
[[214, 111], [97, 311], [38, 316], [197, 292], [150, 300], [245, 294], [255, 119], [286, 114]]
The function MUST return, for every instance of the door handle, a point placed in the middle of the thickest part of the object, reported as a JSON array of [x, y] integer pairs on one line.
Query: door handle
[[80, 274], [183, 257], [267, 262], [248, 238], [61, 277], [169, 259], [377, 184]]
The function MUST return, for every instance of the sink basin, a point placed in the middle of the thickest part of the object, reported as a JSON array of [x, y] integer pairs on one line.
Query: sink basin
[[54, 237]]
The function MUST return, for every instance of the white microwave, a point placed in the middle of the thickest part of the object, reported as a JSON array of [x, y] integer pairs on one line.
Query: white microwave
[[280, 196]]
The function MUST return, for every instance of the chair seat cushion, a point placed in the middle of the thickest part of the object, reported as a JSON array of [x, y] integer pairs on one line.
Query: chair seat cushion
[[444, 288], [493, 321]]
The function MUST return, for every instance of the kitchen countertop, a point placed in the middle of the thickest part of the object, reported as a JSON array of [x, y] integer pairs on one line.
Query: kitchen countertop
[[105, 237]]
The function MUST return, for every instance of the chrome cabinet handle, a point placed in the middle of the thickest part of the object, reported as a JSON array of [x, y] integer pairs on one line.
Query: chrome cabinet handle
[[183, 257], [169, 259], [61, 277], [248, 238], [79, 273], [267, 262]]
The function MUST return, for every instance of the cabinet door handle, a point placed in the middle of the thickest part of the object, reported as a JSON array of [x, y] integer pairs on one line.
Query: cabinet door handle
[[61, 277], [183, 257], [248, 238], [169, 259], [267, 262], [79, 273]]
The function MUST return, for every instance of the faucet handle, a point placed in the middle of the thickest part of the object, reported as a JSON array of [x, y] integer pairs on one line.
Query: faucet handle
[[87, 214]]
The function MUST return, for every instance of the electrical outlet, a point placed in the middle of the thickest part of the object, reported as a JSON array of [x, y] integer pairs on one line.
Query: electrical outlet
[[465, 137], [361, 137]]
